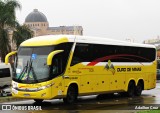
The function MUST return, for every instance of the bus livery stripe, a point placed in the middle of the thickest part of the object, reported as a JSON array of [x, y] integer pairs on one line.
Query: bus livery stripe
[[121, 56]]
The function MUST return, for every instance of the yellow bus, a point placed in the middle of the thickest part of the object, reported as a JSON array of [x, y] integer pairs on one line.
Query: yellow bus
[[68, 66]]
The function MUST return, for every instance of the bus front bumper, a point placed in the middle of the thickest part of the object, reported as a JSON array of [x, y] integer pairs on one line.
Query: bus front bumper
[[42, 94]]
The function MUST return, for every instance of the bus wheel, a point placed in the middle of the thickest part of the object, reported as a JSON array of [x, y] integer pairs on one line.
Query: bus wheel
[[131, 89], [138, 89], [71, 95], [38, 100], [123, 94]]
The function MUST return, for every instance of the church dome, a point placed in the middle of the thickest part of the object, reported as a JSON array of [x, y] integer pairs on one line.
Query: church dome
[[36, 16]]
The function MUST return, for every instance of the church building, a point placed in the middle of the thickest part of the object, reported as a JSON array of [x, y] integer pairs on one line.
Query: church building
[[39, 24]]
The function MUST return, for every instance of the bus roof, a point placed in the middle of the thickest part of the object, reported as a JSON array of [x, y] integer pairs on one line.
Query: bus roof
[[45, 40], [57, 39]]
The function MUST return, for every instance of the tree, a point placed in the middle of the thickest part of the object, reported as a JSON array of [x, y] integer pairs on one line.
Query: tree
[[21, 34], [7, 20]]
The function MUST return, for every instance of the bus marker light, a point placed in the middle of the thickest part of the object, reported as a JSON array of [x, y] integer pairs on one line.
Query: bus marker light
[[43, 94]]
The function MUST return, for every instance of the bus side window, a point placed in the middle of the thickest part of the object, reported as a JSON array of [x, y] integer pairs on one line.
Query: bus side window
[[56, 67]]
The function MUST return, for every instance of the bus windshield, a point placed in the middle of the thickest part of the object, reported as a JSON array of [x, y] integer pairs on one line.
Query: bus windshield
[[30, 64]]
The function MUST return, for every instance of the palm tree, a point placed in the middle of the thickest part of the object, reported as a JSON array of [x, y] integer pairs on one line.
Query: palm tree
[[7, 20], [21, 33]]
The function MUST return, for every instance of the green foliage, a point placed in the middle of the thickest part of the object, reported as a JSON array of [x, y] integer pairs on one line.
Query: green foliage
[[7, 13], [21, 34], [8, 22], [150, 111], [4, 43]]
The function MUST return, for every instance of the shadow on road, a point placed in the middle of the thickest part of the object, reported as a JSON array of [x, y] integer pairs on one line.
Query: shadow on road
[[100, 102]]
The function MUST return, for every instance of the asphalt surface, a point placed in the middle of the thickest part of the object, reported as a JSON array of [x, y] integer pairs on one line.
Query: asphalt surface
[[116, 103]]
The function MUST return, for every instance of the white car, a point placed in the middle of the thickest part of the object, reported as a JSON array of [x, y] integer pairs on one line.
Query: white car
[[5, 75], [6, 92]]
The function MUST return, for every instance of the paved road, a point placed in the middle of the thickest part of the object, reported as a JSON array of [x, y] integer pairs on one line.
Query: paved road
[[95, 104]]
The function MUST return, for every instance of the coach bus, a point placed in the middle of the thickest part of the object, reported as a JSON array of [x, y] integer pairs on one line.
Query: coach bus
[[68, 66]]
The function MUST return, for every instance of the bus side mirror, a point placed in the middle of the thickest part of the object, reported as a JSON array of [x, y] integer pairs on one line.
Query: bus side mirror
[[51, 55], [8, 55]]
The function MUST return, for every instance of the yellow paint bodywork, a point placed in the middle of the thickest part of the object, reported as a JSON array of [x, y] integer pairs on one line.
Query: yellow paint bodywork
[[93, 80], [48, 93], [44, 42], [96, 79], [50, 56], [8, 55]]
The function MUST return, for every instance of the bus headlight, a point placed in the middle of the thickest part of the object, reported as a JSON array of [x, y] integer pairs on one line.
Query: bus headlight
[[14, 84], [32, 89], [44, 87]]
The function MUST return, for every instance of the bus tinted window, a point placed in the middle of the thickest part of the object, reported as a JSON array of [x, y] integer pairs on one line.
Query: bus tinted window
[[115, 53], [5, 72], [36, 50], [25, 51], [62, 58]]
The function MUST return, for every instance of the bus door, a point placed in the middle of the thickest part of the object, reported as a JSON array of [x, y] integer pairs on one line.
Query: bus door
[[56, 73]]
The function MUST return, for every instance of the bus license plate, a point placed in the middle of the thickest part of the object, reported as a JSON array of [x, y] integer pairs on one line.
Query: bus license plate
[[26, 95]]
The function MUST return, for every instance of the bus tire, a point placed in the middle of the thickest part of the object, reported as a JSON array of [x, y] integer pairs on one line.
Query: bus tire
[[38, 100], [131, 89], [123, 94], [138, 89], [72, 94]]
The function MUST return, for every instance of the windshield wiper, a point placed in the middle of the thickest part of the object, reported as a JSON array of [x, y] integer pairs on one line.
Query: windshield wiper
[[34, 75], [23, 71], [32, 70]]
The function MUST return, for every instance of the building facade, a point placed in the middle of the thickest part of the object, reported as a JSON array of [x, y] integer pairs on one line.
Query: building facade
[[39, 24]]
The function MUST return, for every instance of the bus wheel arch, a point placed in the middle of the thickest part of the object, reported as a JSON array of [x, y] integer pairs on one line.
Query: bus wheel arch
[[131, 88], [72, 94], [139, 87]]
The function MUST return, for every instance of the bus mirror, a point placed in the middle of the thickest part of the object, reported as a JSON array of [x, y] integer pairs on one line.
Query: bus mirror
[[8, 55], [50, 56]]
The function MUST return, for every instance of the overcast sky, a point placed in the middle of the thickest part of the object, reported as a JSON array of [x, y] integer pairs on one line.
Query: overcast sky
[[117, 19]]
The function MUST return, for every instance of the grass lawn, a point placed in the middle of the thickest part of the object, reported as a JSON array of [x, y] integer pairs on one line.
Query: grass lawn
[[150, 111]]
